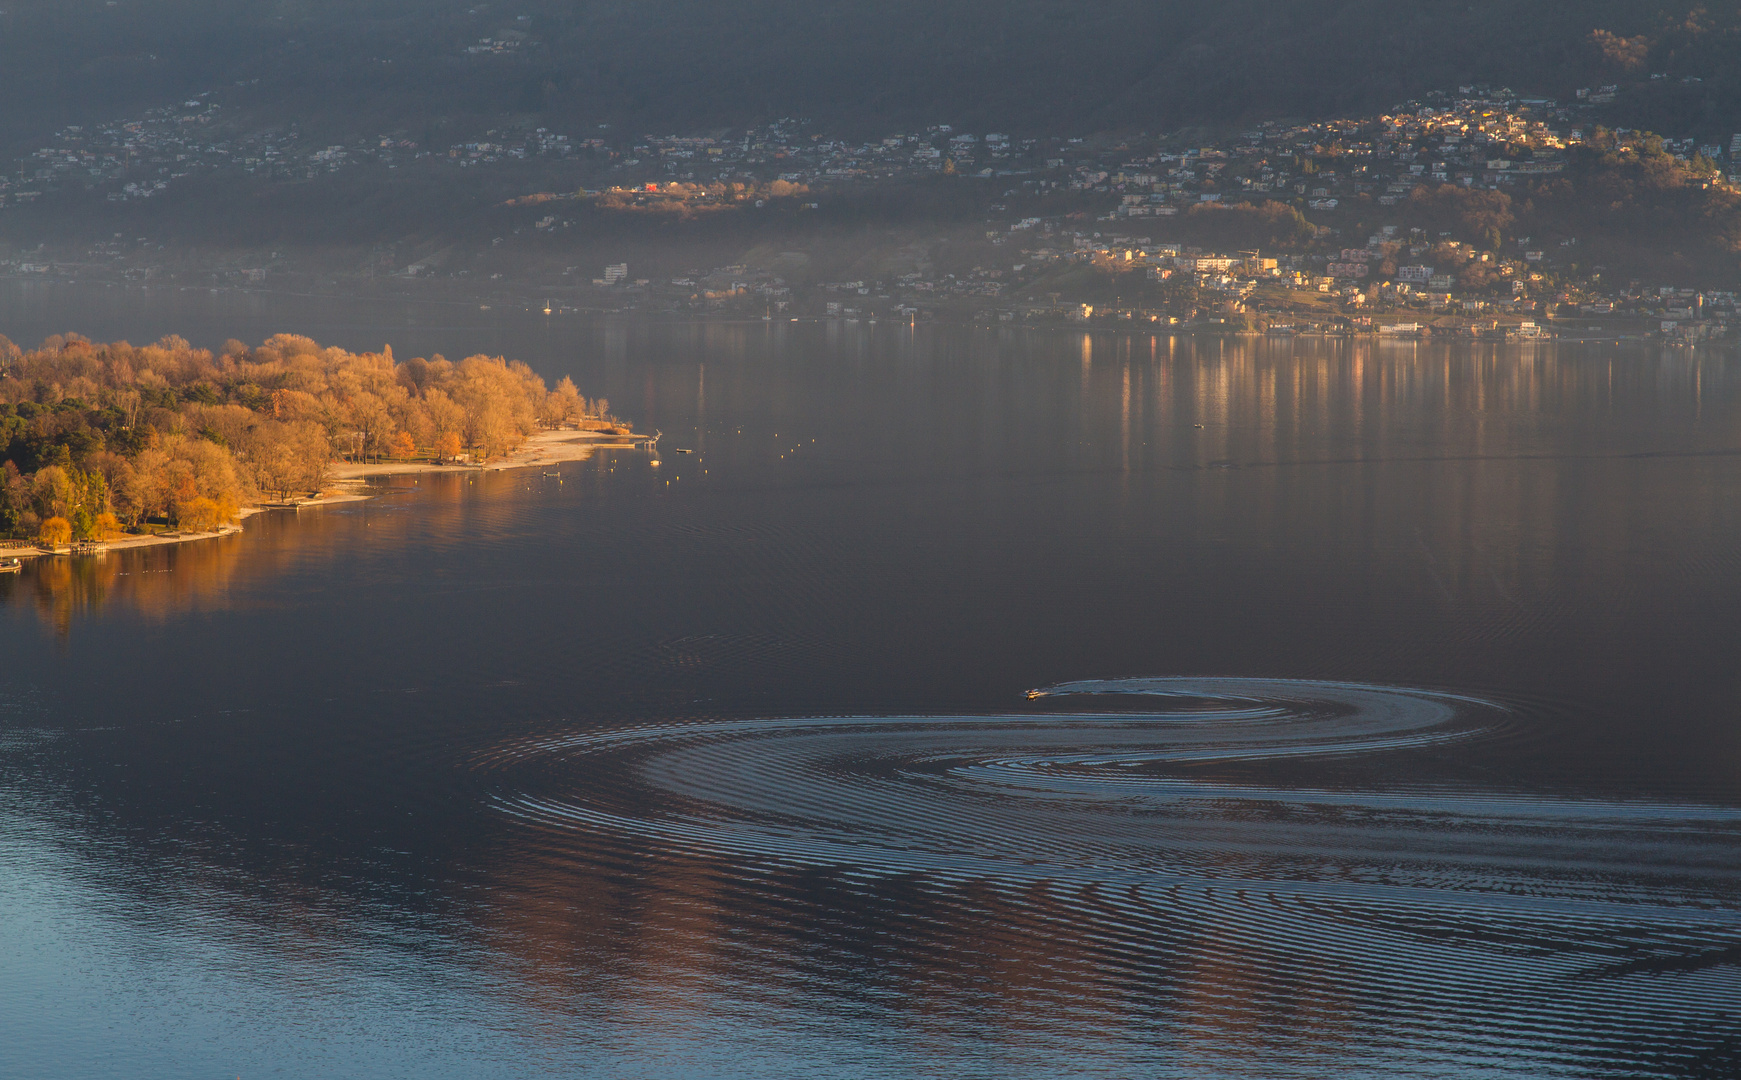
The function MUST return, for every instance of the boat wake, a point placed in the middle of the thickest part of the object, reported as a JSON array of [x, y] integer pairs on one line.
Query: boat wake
[[1463, 919]]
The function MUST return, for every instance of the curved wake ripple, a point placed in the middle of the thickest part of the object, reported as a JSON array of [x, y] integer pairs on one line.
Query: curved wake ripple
[[1458, 930]]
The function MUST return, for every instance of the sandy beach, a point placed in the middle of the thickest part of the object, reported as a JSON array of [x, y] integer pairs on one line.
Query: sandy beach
[[544, 448], [128, 542]]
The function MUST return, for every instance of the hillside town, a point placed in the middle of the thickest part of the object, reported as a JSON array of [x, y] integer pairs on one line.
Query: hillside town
[[1087, 229]]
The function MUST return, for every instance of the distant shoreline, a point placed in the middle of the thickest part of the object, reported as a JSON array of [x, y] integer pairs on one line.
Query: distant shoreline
[[1457, 329]]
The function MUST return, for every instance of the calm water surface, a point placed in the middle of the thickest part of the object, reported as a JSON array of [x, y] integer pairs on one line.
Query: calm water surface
[[1387, 722]]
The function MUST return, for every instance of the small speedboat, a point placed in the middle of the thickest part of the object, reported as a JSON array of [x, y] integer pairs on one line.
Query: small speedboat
[[11, 565]]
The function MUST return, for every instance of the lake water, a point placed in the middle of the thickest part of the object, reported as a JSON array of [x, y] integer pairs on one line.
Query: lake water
[[1389, 723]]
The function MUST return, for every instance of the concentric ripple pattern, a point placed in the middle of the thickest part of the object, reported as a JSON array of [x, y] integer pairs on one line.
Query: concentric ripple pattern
[[1516, 932]]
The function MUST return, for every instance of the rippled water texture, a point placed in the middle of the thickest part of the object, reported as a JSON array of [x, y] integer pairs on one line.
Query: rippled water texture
[[967, 703], [1433, 926]]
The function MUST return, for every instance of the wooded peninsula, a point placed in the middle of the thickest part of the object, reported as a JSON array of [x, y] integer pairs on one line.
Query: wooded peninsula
[[99, 441]]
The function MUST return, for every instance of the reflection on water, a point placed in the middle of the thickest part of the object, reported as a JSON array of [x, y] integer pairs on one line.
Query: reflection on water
[[1238, 863], [156, 581], [1409, 745], [162, 581]]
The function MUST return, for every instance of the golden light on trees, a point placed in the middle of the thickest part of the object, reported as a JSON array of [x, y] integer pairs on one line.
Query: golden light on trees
[[167, 425], [200, 513], [1621, 53], [56, 532]]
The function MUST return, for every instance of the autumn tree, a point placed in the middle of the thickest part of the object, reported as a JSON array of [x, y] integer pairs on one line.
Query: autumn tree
[[201, 513], [142, 431], [56, 532], [14, 498], [1267, 225], [446, 417], [282, 458], [1625, 54], [1477, 215], [51, 492], [564, 405]]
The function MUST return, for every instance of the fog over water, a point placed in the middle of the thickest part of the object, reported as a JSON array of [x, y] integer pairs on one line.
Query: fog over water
[[1385, 721]]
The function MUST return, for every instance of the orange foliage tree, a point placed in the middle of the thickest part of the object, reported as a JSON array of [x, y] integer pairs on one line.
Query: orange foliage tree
[[200, 513], [156, 427], [56, 531]]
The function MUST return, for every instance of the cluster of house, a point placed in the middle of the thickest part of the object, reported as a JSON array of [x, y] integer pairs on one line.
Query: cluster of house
[[1380, 275], [1486, 141], [134, 159], [1480, 137], [789, 150], [1351, 286], [141, 157], [508, 39]]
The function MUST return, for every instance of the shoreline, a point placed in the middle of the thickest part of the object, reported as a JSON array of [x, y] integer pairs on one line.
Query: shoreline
[[126, 543], [1642, 328], [544, 448]]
